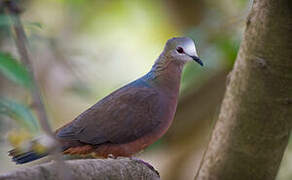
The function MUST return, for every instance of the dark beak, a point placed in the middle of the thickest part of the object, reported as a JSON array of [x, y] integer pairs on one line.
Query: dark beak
[[198, 60]]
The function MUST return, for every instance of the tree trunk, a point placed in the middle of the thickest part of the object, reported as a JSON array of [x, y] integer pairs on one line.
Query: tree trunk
[[98, 169], [254, 124]]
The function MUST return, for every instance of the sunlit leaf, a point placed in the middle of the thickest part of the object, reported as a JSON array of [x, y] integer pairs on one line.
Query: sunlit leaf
[[19, 112], [14, 71]]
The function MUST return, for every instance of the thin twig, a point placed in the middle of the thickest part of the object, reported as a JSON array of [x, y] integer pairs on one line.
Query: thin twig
[[12, 9]]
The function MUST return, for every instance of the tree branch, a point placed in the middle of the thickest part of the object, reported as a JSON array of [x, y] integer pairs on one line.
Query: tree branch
[[254, 124], [125, 168]]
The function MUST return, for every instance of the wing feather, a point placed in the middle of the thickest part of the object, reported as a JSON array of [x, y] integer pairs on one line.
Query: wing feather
[[123, 116]]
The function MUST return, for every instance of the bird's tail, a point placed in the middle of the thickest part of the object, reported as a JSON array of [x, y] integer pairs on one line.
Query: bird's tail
[[26, 157], [33, 150]]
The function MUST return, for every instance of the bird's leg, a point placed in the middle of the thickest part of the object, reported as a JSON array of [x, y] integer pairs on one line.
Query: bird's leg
[[111, 156]]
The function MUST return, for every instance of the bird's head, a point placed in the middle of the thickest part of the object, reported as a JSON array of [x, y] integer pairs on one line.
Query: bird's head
[[182, 49]]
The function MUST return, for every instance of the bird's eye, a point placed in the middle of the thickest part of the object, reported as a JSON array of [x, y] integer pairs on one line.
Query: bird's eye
[[179, 50]]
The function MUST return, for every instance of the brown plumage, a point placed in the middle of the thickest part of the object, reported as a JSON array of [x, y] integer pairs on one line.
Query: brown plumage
[[115, 132], [132, 117]]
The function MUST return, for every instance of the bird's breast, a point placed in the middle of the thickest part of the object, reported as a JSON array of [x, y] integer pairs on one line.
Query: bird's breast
[[166, 104]]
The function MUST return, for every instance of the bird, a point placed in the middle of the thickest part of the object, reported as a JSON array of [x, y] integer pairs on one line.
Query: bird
[[129, 119]]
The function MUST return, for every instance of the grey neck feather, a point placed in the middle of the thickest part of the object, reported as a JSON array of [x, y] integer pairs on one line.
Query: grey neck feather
[[166, 73]]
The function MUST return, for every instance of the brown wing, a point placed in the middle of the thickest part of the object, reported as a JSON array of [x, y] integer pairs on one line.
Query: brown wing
[[121, 117]]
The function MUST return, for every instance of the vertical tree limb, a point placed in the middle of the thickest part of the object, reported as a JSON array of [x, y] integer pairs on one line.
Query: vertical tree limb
[[255, 120], [13, 10]]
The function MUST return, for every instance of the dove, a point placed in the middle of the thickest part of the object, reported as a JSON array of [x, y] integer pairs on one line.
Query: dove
[[129, 119]]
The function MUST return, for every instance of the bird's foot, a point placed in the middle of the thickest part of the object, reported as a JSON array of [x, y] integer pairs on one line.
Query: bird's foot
[[111, 156]]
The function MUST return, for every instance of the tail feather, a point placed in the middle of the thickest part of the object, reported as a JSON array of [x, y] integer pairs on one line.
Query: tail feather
[[27, 157], [13, 152], [32, 150], [42, 146]]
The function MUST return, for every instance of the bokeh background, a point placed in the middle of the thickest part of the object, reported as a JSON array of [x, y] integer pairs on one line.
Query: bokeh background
[[84, 49]]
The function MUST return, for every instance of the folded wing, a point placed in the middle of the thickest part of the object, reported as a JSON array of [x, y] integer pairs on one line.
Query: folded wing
[[124, 116]]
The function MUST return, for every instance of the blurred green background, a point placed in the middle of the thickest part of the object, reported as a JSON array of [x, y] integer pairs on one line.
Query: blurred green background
[[84, 49]]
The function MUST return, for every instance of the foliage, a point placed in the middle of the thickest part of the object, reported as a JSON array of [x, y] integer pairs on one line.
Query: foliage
[[19, 112], [14, 70]]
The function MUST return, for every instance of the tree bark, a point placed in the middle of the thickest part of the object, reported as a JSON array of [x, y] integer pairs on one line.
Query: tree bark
[[120, 169], [255, 119]]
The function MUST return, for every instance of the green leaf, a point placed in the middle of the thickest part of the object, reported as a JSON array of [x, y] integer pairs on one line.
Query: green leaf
[[14, 71], [19, 112]]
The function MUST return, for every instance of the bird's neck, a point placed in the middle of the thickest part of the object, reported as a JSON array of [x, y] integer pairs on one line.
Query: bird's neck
[[166, 74]]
